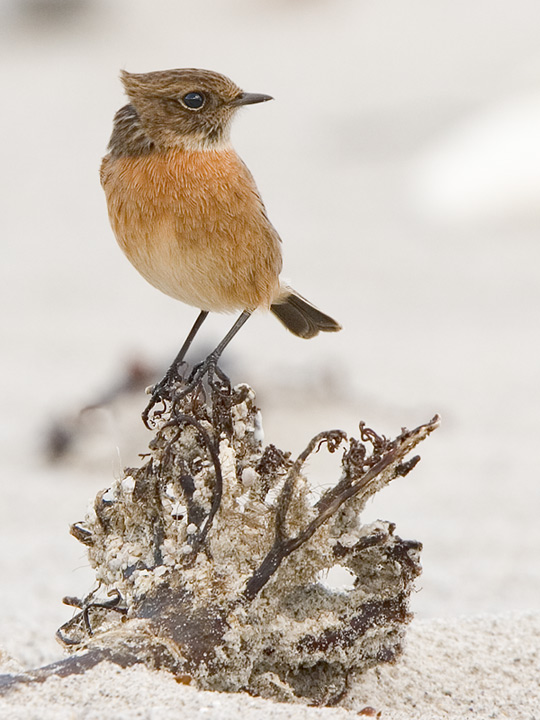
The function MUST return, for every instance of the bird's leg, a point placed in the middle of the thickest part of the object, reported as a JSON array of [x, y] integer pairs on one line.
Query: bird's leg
[[161, 390], [214, 356], [209, 365], [172, 372]]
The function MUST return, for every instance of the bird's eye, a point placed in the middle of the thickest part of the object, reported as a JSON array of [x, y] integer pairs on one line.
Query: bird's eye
[[193, 100]]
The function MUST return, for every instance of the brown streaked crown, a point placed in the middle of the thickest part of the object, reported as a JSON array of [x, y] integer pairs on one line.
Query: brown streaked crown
[[187, 107]]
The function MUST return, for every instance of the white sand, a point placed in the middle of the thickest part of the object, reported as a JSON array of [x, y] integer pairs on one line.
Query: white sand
[[485, 667], [400, 162]]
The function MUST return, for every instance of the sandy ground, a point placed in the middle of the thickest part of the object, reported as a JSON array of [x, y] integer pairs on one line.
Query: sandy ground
[[401, 164], [482, 667]]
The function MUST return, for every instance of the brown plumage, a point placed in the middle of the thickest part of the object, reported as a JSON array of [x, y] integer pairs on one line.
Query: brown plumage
[[184, 207]]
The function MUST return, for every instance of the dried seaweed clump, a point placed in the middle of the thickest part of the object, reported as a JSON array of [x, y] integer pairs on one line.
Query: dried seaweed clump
[[209, 557]]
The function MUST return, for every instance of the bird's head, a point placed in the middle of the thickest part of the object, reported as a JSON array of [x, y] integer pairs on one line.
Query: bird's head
[[187, 107]]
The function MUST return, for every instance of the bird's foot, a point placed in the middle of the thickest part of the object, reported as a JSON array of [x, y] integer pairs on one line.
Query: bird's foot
[[209, 368], [160, 393], [163, 392], [170, 391]]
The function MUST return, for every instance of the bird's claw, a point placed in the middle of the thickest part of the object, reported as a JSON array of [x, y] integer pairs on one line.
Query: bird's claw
[[160, 394], [166, 391]]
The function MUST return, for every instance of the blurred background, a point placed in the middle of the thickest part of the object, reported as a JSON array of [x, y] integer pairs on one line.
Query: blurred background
[[400, 162]]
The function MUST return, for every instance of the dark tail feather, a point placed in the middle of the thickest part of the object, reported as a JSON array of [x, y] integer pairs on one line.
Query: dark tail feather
[[301, 317]]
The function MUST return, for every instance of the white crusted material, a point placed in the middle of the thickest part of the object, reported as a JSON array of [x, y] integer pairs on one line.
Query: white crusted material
[[249, 477], [239, 429], [205, 522], [128, 484], [110, 495], [258, 434]]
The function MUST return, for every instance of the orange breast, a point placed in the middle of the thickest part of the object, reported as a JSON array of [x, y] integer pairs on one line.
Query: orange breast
[[194, 226]]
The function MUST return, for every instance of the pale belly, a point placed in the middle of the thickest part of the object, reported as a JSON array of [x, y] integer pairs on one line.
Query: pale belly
[[194, 272]]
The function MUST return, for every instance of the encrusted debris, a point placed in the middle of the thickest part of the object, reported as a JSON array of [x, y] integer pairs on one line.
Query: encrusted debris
[[209, 557]]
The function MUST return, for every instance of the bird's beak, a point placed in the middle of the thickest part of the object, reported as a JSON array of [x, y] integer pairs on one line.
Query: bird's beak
[[249, 99]]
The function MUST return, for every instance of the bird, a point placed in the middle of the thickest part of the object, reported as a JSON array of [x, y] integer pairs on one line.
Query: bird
[[185, 209]]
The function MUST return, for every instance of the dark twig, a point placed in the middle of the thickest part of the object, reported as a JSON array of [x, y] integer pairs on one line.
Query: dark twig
[[333, 438], [111, 604], [333, 499]]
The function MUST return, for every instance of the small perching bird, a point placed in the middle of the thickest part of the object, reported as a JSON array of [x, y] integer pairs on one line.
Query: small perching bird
[[185, 208]]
